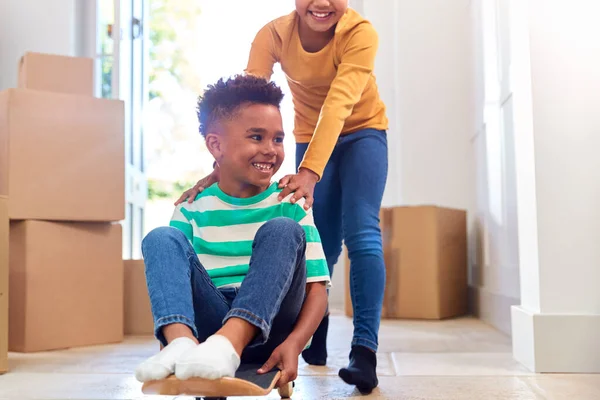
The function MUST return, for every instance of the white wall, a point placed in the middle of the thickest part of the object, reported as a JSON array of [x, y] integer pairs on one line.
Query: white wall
[[425, 71], [557, 97], [495, 273], [34, 25], [566, 124], [430, 69]]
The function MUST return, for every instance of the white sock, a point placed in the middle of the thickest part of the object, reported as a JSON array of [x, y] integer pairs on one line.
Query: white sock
[[162, 365], [213, 359]]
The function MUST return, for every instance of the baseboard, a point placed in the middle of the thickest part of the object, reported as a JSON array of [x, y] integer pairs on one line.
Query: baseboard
[[556, 343], [492, 308]]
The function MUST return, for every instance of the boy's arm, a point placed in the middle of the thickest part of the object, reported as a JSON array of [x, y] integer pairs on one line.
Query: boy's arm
[[311, 314], [286, 354], [262, 54], [355, 69], [315, 304], [317, 274]]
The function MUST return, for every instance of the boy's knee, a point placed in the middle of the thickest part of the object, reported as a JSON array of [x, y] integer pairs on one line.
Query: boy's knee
[[158, 236], [281, 227]]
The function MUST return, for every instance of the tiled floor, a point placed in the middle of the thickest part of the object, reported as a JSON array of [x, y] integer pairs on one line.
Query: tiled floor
[[456, 359]]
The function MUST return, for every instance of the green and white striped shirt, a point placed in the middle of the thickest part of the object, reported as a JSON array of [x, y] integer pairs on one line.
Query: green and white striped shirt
[[221, 229]]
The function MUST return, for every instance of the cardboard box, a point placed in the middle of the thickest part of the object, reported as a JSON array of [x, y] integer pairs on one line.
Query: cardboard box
[[425, 252], [138, 314], [66, 285], [62, 156], [58, 74], [3, 284]]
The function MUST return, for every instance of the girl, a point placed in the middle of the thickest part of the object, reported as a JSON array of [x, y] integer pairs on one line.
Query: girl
[[327, 52]]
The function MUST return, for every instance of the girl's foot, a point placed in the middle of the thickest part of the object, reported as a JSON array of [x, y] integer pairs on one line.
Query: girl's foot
[[162, 364], [316, 354], [362, 370], [213, 359]]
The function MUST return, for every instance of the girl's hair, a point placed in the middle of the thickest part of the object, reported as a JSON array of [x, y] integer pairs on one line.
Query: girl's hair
[[223, 99]]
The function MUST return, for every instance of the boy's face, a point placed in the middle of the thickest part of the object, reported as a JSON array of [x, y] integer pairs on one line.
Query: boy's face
[[321, 15], [249, 148]]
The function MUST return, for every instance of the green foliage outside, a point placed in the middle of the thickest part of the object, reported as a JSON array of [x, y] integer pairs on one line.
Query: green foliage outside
[[172, 24], [167, 190], [174, 84]]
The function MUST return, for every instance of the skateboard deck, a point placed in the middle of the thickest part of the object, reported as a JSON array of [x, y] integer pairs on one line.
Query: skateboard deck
[[247, 382]]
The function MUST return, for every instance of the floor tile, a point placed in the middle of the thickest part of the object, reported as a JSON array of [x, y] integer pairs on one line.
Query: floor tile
[[564, 387], [337, 360], [457, 364], [69, 386], [108, 359], [455, 359]]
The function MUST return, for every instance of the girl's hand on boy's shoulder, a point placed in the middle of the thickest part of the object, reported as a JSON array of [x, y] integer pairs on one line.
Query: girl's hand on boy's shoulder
[[301, 184], [207, 181]]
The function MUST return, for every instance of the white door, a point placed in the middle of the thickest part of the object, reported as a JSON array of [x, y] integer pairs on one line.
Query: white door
[[130, 84]]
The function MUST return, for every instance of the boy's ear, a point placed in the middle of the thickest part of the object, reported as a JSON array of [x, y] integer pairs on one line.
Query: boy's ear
[[213, 144]]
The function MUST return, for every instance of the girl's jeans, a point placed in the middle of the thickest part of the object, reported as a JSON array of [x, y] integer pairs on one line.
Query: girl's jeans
[[346, 206], [269, 298]]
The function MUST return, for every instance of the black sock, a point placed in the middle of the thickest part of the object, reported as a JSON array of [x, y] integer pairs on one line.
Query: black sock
[[316, 354], [362, 370]]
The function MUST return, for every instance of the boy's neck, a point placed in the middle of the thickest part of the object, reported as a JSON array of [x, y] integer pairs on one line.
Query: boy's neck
[[240, 190]]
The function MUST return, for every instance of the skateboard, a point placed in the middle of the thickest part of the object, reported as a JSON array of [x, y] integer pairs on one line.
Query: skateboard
[[247, 382]]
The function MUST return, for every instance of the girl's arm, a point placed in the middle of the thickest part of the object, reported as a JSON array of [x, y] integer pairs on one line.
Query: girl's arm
[[354, 71], [262, 54]]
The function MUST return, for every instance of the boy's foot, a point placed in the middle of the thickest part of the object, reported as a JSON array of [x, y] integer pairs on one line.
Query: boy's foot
[[316, 354], [161, 365], [213, 359], [362, 370]]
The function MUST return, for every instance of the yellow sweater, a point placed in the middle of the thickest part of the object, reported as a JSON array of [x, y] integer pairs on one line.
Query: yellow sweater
[[334, 90]]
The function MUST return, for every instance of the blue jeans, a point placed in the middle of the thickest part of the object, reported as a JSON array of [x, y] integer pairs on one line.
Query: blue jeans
[[346, 206], [270, 297]]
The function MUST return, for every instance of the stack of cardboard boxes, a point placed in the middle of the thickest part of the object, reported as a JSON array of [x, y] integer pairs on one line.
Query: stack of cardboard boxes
[[137, 312], [3, 284], [62, 168], [425, 254]]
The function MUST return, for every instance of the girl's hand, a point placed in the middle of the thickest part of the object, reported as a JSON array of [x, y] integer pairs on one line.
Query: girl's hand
[[284, 357], [202, 184], [301, 184]]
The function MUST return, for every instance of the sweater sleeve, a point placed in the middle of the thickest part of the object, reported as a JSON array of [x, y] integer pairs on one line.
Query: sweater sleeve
[[354, 71], [262, 54]]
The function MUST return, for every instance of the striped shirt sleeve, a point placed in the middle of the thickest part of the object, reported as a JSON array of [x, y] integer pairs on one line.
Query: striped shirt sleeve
[[179, 221], [316, 264]]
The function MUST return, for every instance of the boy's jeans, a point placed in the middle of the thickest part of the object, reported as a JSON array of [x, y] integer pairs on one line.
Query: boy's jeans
[[270, 297], [346, 206]]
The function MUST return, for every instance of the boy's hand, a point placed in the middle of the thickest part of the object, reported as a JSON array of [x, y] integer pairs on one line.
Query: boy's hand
[[202, 184], [284, 357], [301, 184]]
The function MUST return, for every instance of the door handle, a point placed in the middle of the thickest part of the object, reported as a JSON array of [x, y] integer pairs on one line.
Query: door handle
[[136, 28]]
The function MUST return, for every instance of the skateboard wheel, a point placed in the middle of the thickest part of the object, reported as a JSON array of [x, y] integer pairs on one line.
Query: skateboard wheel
[[286, 391]]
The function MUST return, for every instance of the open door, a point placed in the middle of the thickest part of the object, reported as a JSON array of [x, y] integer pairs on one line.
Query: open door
[[130, 84]]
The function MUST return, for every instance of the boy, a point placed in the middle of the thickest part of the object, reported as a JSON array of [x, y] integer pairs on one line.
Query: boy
[[237, 271]]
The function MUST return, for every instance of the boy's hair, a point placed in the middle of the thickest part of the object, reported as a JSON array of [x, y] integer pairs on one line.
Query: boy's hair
[[223, 99]]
